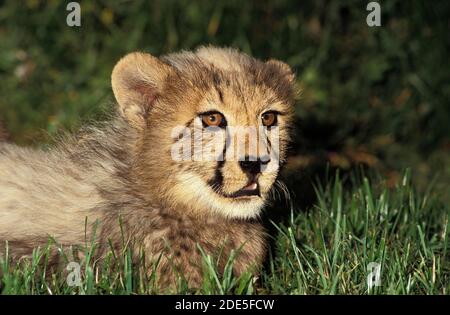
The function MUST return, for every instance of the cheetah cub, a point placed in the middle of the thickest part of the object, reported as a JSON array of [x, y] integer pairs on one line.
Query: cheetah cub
[[161, 166]]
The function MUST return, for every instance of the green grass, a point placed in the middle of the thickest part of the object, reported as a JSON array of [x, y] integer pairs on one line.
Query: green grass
[[325, 249]]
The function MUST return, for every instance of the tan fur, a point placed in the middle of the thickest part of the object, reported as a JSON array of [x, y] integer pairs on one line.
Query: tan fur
[[124, 169]]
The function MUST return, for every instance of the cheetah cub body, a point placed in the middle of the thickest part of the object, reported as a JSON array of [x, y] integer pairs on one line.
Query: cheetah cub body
[[126, 169]]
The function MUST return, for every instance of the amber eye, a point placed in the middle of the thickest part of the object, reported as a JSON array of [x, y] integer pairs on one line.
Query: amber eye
[[213, 119], [269, 119]]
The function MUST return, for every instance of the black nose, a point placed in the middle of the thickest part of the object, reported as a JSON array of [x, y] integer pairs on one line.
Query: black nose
[[252, 167]]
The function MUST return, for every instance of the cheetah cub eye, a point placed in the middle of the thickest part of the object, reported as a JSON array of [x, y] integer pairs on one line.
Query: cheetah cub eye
[[269, 119], [213, 119]]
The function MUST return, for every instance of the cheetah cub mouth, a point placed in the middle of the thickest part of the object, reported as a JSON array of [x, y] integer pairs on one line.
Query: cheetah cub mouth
[[251, 189]]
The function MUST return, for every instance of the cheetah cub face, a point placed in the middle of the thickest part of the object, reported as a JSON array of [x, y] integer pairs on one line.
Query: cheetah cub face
[[213, 127]]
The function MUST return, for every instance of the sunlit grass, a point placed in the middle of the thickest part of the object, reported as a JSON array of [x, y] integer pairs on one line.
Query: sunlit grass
[[325, 249]]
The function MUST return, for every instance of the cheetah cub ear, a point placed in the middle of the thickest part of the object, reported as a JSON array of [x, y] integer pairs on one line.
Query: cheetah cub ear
[[137, 80], [283, 68]]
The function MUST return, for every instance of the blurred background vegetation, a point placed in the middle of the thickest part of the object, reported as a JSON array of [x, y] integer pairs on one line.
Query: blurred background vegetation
[[372, 97]]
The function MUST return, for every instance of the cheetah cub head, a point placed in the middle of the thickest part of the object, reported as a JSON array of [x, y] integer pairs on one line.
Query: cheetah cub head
[[213, 127]]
